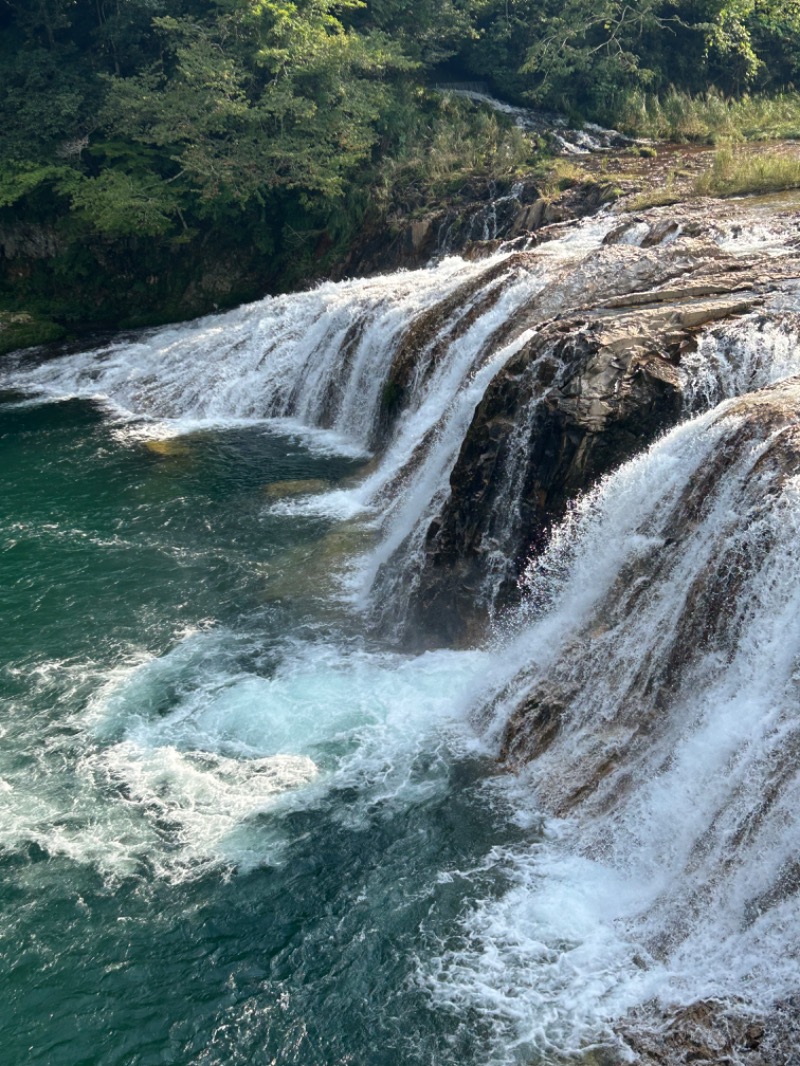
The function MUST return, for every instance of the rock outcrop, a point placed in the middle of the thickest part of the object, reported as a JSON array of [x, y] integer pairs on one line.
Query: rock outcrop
[[599, 379], [478, 219], [656, 715], [765, 425], [713, 1033]]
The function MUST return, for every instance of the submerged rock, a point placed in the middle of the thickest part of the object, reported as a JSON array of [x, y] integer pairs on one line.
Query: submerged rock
[[296, 487]]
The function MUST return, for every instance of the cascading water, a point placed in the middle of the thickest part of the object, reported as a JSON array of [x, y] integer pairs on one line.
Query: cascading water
[[324, 360], [590, 138], [485, 222], [321, 357], [728, 361], [740, 358], [655, 708], [240, 826]]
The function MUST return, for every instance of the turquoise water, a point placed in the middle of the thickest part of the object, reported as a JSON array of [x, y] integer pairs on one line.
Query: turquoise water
[[235, 828]]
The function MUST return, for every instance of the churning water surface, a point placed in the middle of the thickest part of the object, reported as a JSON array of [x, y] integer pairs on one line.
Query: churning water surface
[[238, 826], [234, 828]]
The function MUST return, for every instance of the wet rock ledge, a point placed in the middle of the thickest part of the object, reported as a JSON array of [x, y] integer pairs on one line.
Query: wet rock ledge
[[600, 377]]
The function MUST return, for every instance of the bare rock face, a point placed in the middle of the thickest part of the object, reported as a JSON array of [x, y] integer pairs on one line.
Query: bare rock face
[[664, 724], [597, 381], [714, 1033], [28, 241], [707, 1032], [604, 403], [479, 218]]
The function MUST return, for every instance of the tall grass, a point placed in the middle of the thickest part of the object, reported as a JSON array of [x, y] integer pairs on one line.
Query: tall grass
[[707, 118], [733, 174], [455, 142], [557, 175]]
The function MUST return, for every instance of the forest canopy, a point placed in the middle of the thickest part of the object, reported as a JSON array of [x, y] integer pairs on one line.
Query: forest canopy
[[268, 120]]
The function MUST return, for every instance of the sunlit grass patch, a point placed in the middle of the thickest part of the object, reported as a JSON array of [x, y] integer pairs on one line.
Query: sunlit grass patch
[[736, 174], [707, 118]]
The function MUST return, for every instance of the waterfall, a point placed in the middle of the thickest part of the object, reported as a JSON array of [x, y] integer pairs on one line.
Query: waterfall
[[641, 684], [728, 361], [654, 710], [589, 138], [394, 369], [485, 222], [740, 357], [320, 357], [393, 365]]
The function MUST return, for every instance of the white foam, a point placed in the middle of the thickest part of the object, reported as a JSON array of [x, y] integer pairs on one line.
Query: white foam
[[543, 964], [280, 357], [768, 236], [741, 357], [196, 802], [185, 764], [674, 881]]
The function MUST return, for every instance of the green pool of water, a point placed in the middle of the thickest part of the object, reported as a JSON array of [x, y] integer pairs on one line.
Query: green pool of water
[[234, 828]]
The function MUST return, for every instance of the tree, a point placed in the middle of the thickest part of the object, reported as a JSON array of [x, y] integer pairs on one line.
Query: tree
[[265, 95]]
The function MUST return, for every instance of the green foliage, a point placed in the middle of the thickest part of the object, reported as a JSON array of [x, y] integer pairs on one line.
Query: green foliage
[[560, 175], [119, 204], [45, 101], [265, 96], [451, 142], [577, 54], [593, 43], [22, 330], [19, 180], [736, 174], [733, 172], [144, 140], [706, 118]]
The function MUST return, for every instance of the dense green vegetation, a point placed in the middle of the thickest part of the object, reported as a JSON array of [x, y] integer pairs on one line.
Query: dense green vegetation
[[160, 157]]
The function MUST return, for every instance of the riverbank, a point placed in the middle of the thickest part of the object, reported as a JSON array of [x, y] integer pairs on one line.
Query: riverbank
[[136, 284]]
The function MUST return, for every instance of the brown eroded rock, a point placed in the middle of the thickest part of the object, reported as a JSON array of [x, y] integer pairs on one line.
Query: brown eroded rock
[[709, 1031], [636, 680], [598, 380], [764, 425]]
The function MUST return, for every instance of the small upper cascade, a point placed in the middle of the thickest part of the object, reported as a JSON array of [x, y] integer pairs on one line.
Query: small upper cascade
[[589, 138], [484, 222]]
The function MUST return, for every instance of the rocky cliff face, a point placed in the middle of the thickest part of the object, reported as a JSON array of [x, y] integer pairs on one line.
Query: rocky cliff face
[[479, 217], [654, 712], [758, 438], [601, 376]]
